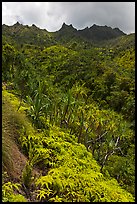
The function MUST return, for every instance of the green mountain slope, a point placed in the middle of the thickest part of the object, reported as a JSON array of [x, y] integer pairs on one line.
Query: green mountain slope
[[28, 34], [77, 98], [69, 171], [34, 35]]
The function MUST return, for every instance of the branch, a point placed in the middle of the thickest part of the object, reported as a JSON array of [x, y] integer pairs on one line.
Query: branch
[[100, 136], [117, 141], [118, 148]]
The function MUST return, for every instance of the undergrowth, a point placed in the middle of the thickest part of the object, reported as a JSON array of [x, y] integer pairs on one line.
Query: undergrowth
[[70, 172]]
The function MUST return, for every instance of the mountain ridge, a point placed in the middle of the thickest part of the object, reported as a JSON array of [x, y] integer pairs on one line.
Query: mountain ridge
[[92, 34]]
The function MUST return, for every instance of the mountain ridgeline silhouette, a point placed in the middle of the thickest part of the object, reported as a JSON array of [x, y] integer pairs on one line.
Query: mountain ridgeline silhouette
[[35, 35], [94, 33]]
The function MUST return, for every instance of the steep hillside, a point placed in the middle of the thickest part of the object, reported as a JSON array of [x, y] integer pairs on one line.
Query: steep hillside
[[93, 34], [28, 34], [69, 171], [98, 33], [68, 114]]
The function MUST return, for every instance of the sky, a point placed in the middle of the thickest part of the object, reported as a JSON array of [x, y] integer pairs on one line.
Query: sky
[[51, 15]]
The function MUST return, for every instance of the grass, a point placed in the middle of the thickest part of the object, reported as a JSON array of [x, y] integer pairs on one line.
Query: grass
[[7, 163], [13, 159], [7, 140], [11, 153]]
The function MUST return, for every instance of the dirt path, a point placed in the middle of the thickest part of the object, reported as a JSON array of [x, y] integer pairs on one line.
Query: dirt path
[[13, 160], [9, 137]]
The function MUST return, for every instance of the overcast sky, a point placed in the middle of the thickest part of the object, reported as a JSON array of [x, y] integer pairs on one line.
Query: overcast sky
[[51, 15]]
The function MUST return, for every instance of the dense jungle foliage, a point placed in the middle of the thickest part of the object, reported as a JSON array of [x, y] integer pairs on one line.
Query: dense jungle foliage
[[72, 102]]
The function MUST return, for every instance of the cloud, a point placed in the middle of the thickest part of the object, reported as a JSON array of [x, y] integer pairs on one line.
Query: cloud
[[51, 15]]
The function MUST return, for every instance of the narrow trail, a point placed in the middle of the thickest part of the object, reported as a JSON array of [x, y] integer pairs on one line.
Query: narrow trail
[[10, 134], [13, 160]]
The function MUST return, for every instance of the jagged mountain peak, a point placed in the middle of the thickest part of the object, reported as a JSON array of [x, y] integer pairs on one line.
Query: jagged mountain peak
[[33, 25], [94, 26], [65, 26], [93, 33], [17, 23]]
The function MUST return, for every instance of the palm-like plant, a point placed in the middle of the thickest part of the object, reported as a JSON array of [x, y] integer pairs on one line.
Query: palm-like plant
[[39, 104]]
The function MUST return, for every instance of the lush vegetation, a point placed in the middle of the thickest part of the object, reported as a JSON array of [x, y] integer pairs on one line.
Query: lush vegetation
[[74, 109]]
